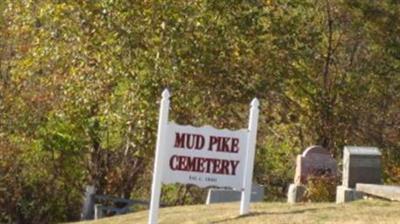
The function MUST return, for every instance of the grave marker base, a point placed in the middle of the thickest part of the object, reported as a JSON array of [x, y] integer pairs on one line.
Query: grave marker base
[[345, 194], [296, 193]]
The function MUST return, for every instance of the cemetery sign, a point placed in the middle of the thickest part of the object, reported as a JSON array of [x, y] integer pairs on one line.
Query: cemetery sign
[[203, 156]]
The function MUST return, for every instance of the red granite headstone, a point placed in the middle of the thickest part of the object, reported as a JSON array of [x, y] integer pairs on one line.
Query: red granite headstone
[[315, 161]]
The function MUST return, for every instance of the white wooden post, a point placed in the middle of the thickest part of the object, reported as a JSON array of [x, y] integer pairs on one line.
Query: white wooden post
[[159, 158], [250, 150]]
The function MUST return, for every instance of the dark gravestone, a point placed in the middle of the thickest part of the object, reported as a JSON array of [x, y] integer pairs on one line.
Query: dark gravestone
[[315, 161], [361, 165]]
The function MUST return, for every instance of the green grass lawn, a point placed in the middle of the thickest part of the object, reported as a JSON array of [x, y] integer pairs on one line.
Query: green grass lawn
[[367, 211]]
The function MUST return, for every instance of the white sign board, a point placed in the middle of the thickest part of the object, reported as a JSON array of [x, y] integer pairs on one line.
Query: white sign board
[[203, 156]]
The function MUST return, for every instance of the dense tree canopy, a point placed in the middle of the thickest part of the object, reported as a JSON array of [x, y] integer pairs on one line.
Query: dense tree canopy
[[80, 84]]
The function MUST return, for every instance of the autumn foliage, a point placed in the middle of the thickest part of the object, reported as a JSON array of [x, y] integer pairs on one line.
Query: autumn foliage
[[80, 83]]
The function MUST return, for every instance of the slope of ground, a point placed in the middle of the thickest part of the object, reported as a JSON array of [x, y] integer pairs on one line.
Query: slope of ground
[[368, 211]]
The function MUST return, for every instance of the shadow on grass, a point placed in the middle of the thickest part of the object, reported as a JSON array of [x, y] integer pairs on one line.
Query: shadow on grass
[[253, 214]]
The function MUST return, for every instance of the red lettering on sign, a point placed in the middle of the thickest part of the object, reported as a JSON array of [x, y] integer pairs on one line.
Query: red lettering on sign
[[189, 141], [203, 165], [234, 165], [213, 141], [171, 163], [235, 145], [179, 140], [223, 144], [199, 141]]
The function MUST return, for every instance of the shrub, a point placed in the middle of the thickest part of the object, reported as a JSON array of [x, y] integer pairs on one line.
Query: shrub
[[321, 188]]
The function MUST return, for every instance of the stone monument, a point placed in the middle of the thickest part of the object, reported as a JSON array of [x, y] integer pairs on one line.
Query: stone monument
[[360, 165], [88, 203], [315, 161], [226, 195]]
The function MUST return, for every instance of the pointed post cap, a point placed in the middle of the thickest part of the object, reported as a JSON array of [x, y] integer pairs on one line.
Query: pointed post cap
[[165, 94], [255, 103]]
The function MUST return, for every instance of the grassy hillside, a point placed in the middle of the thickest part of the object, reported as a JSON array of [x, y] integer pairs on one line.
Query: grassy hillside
[[369, 211]]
